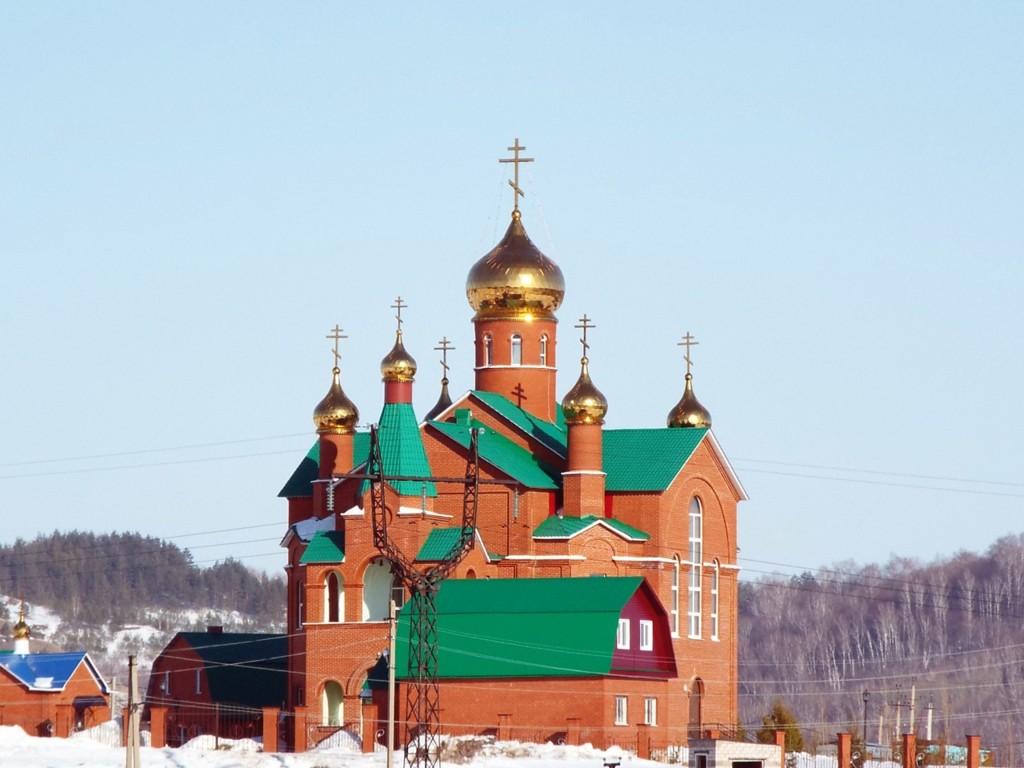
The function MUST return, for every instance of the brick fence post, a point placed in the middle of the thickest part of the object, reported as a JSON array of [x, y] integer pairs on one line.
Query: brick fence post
[[572, 731], [643, 742], [504, 727], [843, 750], [780, 742], [301, 733], [909, 750], [973, 751], [369, 729], [157, 726], [270, 715]]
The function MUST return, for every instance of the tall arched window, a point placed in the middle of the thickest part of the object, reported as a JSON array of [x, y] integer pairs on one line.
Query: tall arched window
[[333, 704], [544, 349], [714, 602], [517, 349], [674, 602], [696, 718], [488, 349], [334, 598], [696, 556]]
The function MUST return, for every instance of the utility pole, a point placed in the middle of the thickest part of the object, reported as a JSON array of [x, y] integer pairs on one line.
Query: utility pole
[[131, 759], [928, 729], [913, 702]]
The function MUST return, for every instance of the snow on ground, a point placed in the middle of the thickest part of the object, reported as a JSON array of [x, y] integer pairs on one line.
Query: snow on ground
[[19, 750]]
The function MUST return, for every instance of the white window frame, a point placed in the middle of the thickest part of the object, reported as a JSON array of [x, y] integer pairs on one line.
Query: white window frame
[[675, 596], [622, 635], [621, 710], [646, 635], [694, 603], [544, 349], [650, 711], [515, 343], [714, 601], [488, 349]]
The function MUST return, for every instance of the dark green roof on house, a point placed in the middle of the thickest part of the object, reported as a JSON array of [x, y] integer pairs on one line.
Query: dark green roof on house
[[551, 435], [646, 459], [299, 485], [501, 453], [565, 527], [243, 668], [325, 547], [524, 627]]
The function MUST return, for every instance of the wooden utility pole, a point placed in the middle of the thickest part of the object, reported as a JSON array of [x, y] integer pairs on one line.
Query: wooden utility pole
[[131, 759]]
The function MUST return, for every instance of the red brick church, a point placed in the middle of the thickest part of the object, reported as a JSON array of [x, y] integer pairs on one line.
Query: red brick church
[[531, 644]]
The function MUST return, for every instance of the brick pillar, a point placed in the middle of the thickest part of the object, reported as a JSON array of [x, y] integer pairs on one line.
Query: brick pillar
[[505, 727], [369, 730], [572, 731], [780, 742], [157, 727], [643, 742], [909, 750], [843, 751], [270, 715], [973, 751], [301, 734]]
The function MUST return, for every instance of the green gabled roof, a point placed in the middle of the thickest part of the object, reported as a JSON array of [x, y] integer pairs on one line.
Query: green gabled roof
[[524, 627], [402, 451], [565, 527], [501, 453], [439, 543], [325, 547], [647, 459], [243, 668], [551, 435], [299, 485]]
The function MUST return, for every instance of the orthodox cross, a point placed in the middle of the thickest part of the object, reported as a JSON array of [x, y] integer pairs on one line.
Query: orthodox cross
[[399, 305], [688, 341], [585, 323], [444, 348], [337, 334], [520, 394], [516, 160]]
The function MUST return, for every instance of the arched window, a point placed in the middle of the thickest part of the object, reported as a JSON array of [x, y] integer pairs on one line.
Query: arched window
[[714, 602], [517, 349], [470, 574], [379, 590], [488, 349], [696, 556], [544, 349], [300, 605], [334, 598], [696, 718], [674, 602], [333, 704]]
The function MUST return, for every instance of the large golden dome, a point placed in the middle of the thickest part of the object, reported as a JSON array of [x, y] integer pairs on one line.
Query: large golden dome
[[398, 365], [515, 279], [336, 414], [584, 403], [688, 411]]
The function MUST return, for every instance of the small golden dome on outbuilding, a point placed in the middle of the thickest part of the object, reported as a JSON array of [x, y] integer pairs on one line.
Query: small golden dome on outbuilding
[[336, 414], [21, 629], [515, 279], [584, 403], [688, 411], [398, 364]]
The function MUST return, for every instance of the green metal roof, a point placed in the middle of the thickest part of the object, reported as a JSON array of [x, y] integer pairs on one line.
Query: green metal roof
[[565, 527], [551, 435], [401, 448], [325, 547], [299, 484], [438, 544], [243, 668], [646, 459], [524, 627], [501, 453]]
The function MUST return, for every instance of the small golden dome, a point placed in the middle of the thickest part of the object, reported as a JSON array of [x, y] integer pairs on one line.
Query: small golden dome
[[584, 403], [336, 414], [21, 630], [515, 278], [688, 411], [398, 365]]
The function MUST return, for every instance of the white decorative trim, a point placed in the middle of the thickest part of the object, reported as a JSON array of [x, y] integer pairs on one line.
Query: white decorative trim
[[630, 559], [514, 368], [729, 567], [409, 511], [728, 467], [585, 472], [544, 557]]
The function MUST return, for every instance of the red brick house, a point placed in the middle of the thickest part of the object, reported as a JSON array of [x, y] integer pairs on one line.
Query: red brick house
[[572, 499]]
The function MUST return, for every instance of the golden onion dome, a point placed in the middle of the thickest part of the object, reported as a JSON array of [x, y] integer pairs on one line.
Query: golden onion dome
[[398, 365], [584, 403], [336, 414], [688, 411], [21, 629], [515, 278]]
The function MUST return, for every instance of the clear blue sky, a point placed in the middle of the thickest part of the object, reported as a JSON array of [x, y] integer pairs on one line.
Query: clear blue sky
[[829, 196]]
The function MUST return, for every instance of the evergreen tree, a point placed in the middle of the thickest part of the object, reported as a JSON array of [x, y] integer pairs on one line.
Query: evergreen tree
[[780, 718]]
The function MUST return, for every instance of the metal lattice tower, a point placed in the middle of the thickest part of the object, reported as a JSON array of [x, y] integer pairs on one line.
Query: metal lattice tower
[[423, 722]]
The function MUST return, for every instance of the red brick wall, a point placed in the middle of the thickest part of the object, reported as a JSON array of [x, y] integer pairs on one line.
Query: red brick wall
[[33, 709]]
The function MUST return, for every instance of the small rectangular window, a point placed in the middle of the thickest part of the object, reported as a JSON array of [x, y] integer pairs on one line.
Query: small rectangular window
[[650, 711], [622, 638], [646, 635], [621, 712], [199, 681]]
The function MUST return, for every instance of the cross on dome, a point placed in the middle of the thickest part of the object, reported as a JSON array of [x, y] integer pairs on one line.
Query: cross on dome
[[688, 342], [444, 347], [585, 323], [337, 335], [515, 160], [399, 305]]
